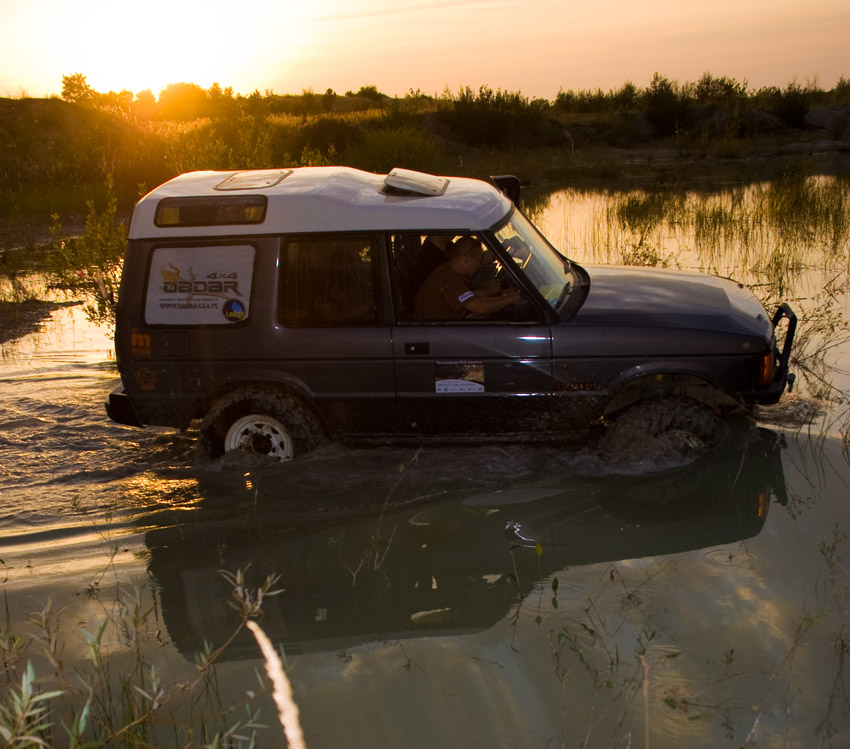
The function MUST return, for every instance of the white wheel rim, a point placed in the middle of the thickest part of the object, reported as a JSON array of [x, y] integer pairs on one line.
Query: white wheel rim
[[261, 434]]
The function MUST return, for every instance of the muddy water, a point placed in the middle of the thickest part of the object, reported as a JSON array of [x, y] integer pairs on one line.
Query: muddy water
[[496, 596], [507, 596]]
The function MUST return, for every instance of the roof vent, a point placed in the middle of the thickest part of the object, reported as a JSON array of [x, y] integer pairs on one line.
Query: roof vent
[[254, 179], [408, 182]]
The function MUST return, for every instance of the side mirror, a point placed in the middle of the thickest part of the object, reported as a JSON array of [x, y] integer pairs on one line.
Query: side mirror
[[509, 185]]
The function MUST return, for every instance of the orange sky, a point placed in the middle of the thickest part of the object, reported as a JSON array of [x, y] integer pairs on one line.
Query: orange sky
[[535, 46]]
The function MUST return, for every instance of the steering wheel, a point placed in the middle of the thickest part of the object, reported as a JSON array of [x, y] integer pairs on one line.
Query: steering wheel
[[519, 251]]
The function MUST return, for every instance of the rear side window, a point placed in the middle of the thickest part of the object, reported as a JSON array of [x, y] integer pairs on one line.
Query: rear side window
[[199, 285], [229, 210], [328, 281]]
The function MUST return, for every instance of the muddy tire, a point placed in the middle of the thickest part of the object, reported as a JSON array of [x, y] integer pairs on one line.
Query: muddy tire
[[660, 429], [262, 421]]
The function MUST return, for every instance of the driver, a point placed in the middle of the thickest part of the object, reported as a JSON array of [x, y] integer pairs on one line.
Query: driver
[[447, 293]]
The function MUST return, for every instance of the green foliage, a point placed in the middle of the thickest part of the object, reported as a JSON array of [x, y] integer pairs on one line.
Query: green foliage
[[327, 131], [183, 101], [792, 105], [804, 210], [381, 150], [113, 697], [315, 157], [328, 100], [76, 88], [709, 89], [500, 118], [626, 98], [371, 93], [55, 155], [713, 106], [24, 714], [667, 105], [840, 94], [90, 266], [222, 105]]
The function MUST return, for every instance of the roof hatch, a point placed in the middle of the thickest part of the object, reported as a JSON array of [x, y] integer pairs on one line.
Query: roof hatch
[[407, 182], [254, 179]]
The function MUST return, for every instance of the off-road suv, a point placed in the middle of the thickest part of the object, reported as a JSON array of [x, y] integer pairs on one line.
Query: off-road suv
[[277, 307]]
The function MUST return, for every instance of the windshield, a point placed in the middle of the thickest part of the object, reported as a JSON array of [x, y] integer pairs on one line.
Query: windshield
[[548, 271]]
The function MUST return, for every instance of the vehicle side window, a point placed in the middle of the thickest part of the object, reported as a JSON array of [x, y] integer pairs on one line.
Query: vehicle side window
[[328, 281], [414, 258]]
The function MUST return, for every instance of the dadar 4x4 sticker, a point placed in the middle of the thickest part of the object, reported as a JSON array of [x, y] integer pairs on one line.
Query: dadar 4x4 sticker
[[199, 285]]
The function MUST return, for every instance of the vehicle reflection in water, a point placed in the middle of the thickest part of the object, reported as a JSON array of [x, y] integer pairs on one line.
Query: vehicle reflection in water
[[445, 567]]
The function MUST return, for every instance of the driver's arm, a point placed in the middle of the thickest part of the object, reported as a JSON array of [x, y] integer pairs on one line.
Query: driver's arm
[[477, 305]]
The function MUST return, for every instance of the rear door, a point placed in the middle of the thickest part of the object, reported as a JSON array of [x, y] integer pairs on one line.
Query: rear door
[[331, 332]]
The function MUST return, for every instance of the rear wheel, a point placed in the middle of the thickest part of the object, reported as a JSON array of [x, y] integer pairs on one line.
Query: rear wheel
[[260, 433], [262, 421], [669, 427]]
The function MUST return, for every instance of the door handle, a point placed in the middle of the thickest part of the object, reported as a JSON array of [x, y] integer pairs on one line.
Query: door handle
[[416, 348]]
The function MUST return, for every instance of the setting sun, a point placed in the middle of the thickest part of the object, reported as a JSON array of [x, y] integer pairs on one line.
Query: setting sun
[[537, 48], [120, 47]]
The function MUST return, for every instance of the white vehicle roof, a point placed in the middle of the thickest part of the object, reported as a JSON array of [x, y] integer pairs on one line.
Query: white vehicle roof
[[324, 199]]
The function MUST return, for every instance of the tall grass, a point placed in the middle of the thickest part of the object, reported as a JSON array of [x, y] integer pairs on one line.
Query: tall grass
[[114, 697], [763, 234], [787, 240]]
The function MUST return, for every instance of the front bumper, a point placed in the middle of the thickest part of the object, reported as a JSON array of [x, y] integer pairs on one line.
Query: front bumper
[[782, 376]]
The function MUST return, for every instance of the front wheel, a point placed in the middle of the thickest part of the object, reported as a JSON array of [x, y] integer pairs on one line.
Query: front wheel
[[660, 429], [261, 421]]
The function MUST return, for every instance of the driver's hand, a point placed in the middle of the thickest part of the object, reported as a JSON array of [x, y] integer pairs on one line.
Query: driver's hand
[[514, 294], [491, 288]]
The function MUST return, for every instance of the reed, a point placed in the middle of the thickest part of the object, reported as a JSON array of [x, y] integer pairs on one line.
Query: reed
[[115, 697]]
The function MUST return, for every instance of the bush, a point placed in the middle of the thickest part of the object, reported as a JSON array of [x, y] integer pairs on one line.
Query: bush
[[500, 118], [667, 106], [792, 105], [90, 266], [405, 147], [325, 132]]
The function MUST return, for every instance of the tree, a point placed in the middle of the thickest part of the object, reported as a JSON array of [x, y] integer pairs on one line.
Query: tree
[[709, 89], [123, 100], [667, 106], [222, 103], [372, 93], [145, 105], [255, 105], [76, 89], [792, 105], [183, 101], [626, 96]]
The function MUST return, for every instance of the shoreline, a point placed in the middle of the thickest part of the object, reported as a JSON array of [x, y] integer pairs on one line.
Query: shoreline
[[18, 319], [548, 170]]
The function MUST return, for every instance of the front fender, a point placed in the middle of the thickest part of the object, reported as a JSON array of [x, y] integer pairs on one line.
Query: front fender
[[648, 382]]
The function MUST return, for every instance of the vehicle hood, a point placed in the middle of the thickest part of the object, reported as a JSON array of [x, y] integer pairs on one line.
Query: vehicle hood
[[649, 297]]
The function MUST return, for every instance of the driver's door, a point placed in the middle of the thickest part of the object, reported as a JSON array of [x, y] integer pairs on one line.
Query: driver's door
[[474, 377]]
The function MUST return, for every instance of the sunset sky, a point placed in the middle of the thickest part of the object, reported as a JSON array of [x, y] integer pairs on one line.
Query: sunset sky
[[535, 46]]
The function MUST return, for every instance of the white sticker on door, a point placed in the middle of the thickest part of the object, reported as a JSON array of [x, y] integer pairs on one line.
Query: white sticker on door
[[459, 377]]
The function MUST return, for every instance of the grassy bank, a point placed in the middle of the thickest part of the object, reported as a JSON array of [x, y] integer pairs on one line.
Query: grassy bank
[[56, 154], [71, 169]]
